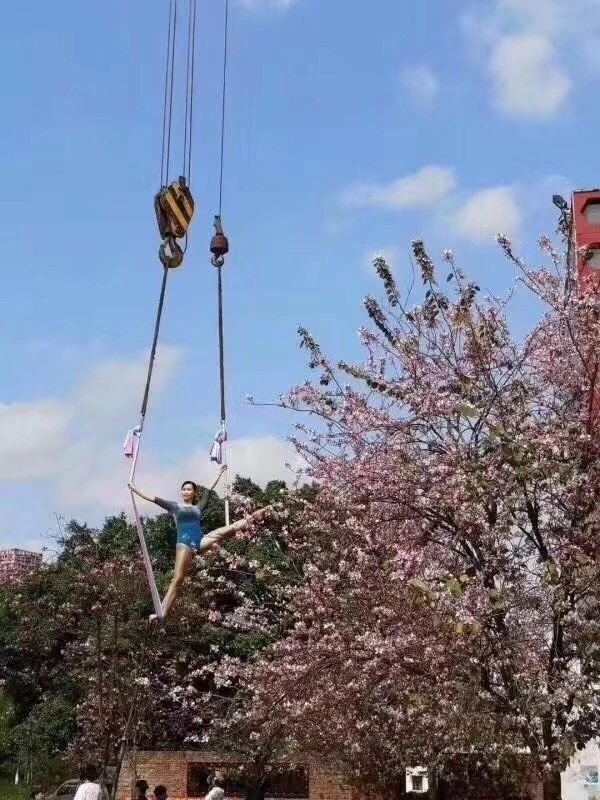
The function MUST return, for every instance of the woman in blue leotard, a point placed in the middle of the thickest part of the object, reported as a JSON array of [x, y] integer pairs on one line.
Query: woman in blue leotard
[[191, 537]]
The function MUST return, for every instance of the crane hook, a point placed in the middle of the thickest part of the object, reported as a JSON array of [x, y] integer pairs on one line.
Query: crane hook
[[219, 244], [170, 253]]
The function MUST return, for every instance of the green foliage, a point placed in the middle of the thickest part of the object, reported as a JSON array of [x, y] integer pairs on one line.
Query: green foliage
[[8, 791], [247, 488], [161, 536], [273, 492], [45, 734], [7, 720], [213, 515]]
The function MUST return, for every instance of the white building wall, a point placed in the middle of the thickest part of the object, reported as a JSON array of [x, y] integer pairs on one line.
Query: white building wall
[[580, 781], [417, 780]]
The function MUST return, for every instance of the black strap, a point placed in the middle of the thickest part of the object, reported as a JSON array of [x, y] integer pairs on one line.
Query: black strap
[[161, 302], [221, 343], [219, 264]]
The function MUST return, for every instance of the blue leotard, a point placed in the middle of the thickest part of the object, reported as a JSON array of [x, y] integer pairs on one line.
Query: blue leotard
[[188, 520]]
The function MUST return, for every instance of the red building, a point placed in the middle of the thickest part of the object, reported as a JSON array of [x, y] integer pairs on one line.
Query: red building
[[584, 263], [15, 564], [585, 209]]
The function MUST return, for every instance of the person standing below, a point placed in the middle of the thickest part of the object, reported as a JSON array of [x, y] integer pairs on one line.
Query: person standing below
[[141, 787], [88, 789], [218, 789], [160, 792]]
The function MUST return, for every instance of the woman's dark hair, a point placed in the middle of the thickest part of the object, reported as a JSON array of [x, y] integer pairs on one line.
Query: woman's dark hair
[[142, 786], [160, 791]]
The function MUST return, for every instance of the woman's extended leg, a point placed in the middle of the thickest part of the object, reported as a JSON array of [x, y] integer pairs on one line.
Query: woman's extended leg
[[219, 534], [183, 559]]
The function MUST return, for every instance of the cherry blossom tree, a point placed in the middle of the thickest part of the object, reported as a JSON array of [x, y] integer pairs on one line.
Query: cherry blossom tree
[[451, 594], [236, 605]]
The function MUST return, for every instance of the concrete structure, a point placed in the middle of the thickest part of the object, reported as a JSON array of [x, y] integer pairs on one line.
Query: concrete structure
[[15, 564]]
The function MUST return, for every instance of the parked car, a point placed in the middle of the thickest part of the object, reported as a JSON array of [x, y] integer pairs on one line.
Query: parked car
[[66, 791]]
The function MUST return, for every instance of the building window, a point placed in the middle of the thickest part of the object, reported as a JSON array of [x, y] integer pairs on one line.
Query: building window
[[416, 780], [592, 213], [592, 258], [282, 783]]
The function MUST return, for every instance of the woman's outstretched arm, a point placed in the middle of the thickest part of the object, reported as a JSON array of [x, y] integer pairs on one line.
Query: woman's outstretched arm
[[206, 495], [168, 505], [141, 494]]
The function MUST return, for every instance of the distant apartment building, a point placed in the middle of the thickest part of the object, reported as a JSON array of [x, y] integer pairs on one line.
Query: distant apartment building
[[15, 564]]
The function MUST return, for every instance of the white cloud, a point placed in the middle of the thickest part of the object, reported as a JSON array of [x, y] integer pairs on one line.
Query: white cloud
[[115, 386], [267, 5], [485, 213], [547, 17], [488, 212], [263, 458], [421, 84], [32, 437], [422, 189], [527, 79], [74, 446], [531, 49]]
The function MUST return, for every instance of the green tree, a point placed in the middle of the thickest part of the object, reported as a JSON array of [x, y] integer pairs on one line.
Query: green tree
[[84, 674], [7, 716]]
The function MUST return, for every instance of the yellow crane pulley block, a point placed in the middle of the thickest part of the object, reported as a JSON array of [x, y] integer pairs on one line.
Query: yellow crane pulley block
[[174, 207]]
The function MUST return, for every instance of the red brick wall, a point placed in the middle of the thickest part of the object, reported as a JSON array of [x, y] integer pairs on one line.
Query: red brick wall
[[326, 784], [170, 769], [535, 789]]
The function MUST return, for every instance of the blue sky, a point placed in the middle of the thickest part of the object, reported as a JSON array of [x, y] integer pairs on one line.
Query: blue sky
[[352, 129]]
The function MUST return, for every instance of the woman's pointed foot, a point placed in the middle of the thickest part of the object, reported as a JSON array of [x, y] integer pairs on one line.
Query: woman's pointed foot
[[268, 511]]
